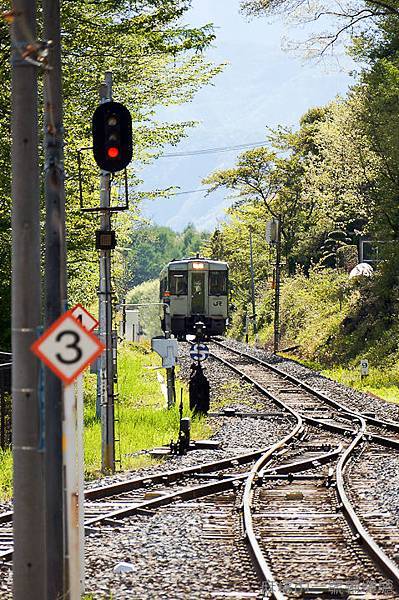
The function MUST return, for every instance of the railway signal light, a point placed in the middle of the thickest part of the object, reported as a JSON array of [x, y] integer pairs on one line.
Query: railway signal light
[[112, 136]]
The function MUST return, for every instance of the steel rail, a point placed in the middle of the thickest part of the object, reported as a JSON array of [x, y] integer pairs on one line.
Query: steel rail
[[129, 485], [385, 563], [260, 562], [381, 423], [204, 490]]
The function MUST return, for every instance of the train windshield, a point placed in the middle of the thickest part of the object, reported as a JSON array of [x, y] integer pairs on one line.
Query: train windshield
[[198, 293], [178, 283], [217, 283]]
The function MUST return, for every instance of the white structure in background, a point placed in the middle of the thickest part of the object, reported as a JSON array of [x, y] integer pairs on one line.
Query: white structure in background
[[132, 326], [362, 269], [168, 350]]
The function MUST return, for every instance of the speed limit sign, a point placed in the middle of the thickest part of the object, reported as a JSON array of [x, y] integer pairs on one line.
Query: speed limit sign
[[67, 348]]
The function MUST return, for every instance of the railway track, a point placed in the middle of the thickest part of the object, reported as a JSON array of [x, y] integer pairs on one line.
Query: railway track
[[306, 513], [108, 504], [306, 537]]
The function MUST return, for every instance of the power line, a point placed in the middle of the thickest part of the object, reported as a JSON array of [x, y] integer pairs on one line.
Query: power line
[[189, 192], [215, 150]]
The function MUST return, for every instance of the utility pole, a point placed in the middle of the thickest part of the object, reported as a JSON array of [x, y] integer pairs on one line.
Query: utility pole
[[251, 257], [29, 558], [55, 296], [106, 371], [277, 288]]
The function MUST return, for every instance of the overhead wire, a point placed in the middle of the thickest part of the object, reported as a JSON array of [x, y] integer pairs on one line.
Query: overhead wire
[[214, 150]]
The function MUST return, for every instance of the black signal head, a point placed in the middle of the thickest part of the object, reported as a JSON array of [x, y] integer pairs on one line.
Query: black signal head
[[112, 136]]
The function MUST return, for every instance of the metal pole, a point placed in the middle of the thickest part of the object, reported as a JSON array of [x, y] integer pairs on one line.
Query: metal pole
[[277, 289], [29, 558], [170, 372], [252, 282], [106, 371], [55, 297], [124, 321]]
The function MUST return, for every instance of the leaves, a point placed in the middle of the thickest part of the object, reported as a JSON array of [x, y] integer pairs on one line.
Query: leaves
[[155, 61]]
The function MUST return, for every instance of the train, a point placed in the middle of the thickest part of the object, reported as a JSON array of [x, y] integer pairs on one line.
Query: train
[[196, 290]]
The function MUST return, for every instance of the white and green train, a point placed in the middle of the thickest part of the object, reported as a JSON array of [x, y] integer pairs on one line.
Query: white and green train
[[197, 291]]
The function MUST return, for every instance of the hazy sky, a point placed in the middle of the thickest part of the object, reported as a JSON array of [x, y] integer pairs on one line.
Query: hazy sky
[[261, 86]]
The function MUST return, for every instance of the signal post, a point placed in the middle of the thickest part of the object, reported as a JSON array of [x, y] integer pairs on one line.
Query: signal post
[[112, 148]]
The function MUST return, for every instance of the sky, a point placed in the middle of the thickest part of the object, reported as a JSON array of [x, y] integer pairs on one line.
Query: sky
[[262, 86]]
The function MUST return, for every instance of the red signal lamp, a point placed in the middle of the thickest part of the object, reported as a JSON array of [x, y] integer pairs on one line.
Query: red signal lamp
[[113, 152]]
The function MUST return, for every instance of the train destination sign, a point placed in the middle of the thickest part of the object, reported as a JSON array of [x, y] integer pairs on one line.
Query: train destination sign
[[199, 352], [84, 317], [67, 348]]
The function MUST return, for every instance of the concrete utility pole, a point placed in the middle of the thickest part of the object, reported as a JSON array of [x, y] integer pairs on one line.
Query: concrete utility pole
[[106, 371], [251, 261], [55, 296], [277, 288], [29, 559]]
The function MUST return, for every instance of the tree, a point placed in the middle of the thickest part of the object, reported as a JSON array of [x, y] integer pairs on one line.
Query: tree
[[153, 246], [155, 60], [339, 18], [272, 184]]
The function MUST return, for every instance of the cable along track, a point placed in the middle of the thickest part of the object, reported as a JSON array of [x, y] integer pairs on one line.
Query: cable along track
[[305, 536]]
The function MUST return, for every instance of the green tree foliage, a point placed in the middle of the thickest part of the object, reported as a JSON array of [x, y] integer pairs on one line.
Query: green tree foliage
[[334, 179], [272, 185], [336, 20], [153, 246], [147, 293], [156, 60]]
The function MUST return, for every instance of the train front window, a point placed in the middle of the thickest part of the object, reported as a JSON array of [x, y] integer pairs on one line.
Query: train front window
[[178, 283], [198, 293], [217, 283]]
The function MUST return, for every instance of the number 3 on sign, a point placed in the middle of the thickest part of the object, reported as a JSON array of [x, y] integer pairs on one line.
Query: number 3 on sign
[[73, 345], [67, 348]]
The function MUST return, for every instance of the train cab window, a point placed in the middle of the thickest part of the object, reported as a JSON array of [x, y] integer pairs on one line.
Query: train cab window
[[178, 283], [217, 283], [197, 292]]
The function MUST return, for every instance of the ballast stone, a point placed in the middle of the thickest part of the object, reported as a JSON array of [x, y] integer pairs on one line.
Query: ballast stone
[[123, 567]]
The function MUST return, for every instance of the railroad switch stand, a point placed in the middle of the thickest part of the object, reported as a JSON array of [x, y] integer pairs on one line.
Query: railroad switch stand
[[182, 445], [183, 441]]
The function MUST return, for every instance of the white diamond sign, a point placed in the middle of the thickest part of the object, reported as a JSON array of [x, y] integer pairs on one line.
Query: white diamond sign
[[67, 348], [84, 317]]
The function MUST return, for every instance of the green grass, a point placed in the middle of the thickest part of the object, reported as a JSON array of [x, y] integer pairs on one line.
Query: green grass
[[383, 383], [5, 475], [380, 382], [144, 420]]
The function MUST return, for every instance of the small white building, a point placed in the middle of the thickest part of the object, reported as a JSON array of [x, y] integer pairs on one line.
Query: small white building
[[130, 329]]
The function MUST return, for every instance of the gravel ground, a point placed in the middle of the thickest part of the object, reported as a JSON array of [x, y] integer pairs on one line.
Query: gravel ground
[[181, 552], [352, 398], [170, 548], [384, 496]]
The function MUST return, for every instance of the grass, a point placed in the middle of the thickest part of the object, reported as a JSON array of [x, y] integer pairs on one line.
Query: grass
[[144, 421], [381, 382], [5, 475]]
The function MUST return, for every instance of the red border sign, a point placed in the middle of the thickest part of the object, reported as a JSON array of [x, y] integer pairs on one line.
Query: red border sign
[[87, 313], [35, 348]]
